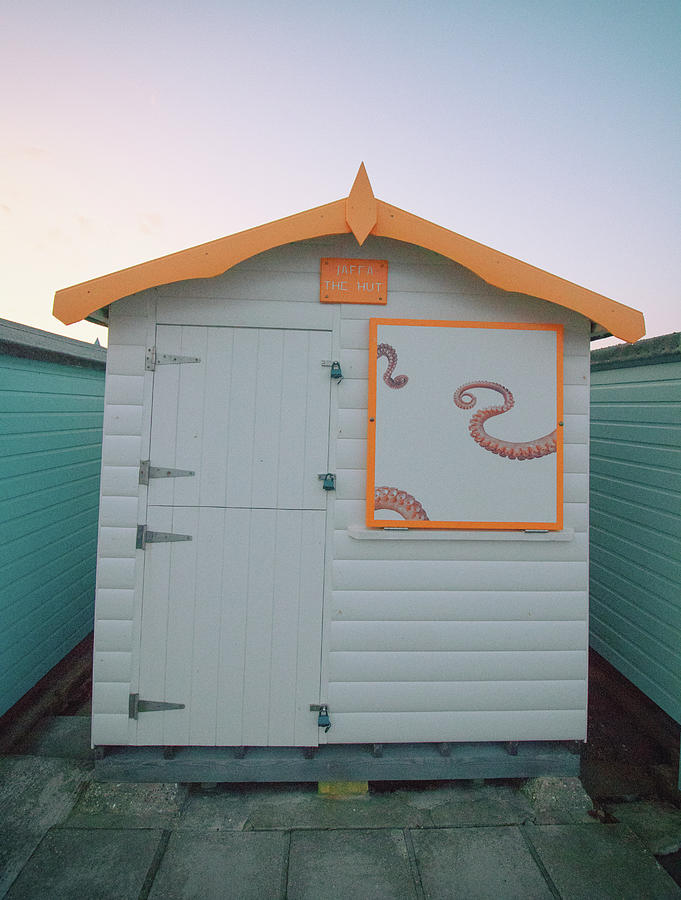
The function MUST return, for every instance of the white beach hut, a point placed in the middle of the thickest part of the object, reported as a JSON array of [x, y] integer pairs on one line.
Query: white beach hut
[[345, 483]]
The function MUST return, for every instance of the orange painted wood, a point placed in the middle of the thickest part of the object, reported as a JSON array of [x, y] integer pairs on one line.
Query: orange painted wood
[[340, 217], [361, 207], [353, 281]]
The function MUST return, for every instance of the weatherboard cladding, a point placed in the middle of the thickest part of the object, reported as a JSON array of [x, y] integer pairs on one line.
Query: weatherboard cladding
[[457, 638], [52, 401], [636, 514]]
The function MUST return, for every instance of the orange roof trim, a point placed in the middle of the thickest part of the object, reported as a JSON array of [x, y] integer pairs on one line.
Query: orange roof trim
[[361, 214]]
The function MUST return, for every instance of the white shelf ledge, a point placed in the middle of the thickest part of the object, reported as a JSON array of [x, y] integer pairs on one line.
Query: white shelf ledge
[[362, 533]]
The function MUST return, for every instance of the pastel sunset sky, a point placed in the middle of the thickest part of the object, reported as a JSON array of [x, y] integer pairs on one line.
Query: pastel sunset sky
[[547, 129]]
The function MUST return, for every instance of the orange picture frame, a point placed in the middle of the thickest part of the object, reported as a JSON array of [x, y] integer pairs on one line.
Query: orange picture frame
[[547, 524]]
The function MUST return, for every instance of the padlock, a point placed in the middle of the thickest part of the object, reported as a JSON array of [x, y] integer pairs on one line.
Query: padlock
[[323, 719]]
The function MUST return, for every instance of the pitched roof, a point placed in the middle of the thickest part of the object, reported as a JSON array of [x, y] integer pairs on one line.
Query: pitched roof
[[362, 214]]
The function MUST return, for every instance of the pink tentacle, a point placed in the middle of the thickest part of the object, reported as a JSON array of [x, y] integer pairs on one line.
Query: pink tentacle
[[463, 398], [390, 354], [400, 502]]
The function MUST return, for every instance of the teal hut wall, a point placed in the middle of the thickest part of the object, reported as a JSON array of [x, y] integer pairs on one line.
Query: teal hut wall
[[51, 409], [635, 538]]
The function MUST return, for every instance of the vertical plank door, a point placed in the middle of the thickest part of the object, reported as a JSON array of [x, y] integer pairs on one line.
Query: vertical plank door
[[231, 620]]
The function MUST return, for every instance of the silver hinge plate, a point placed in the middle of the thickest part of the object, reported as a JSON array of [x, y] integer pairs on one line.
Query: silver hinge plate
[[153, 359], [136, 706], [144, 537], [148, 471]]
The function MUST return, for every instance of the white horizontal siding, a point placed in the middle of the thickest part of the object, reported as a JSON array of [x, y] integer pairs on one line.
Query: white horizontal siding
[[499, 626], [483, 665], [127, 386], [454, 696], [460, 606], [526, 725], [469, 575], [455, 636], [346, 548]]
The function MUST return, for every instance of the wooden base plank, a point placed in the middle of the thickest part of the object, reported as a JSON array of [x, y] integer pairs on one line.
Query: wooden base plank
[[340, 762]]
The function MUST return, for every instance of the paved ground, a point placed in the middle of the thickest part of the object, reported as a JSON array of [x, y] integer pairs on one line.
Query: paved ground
[[64, 836]]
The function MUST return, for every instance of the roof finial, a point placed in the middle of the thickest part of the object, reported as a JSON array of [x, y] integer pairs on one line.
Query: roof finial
[[361, 209]]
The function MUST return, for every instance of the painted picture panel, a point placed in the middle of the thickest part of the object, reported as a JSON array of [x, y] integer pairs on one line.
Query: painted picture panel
[[465, 425]]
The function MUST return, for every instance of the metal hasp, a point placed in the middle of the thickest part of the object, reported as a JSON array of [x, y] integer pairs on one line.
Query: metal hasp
[[153, 359], [145, 537], [136, 706], [329, 480], [336, 372], [323, 720], [148, 471]]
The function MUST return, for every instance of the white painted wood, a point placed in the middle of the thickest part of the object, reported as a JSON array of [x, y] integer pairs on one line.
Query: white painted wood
[[214, 593], [221, 620], [458, 636], [246, 313], [460, 606], [527, 725], [456, 696], [400, 575], [426, 546], [241, 418], [400, 533], [225, 614], [484, 665]]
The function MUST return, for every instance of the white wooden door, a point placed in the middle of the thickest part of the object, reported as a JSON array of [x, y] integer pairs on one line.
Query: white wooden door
[[231, 620]]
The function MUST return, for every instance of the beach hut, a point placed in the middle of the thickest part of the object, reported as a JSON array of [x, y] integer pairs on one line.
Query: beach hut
[[52, 396], [344, 503], [636, 514]]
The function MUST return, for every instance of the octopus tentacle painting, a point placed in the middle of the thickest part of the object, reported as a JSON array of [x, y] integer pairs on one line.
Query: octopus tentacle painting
[[390, 354], [400, 502], [464, 399]]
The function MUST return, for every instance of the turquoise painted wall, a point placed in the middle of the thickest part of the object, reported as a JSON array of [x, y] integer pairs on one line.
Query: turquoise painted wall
[[50, 455], [636, 514]]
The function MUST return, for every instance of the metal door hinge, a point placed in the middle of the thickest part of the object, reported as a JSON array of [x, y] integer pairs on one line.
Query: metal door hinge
[[148, 471], [153, 359], [136, 706], [144, 537]]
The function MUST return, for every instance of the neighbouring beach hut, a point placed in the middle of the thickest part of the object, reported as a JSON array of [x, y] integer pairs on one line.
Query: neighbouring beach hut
[[344, 503], [52, 396], [636, 514]]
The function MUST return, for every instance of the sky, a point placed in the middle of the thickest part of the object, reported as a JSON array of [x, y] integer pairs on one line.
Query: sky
[[547, 129]]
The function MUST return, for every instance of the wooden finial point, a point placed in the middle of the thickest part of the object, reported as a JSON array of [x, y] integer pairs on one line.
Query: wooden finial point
[[361, 209]]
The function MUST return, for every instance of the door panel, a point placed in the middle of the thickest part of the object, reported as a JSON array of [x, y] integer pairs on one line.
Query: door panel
[[231, 620], [246, 418]]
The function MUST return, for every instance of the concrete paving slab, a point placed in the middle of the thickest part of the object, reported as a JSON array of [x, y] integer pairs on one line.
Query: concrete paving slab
[[16, 848], [263, 809], [558, 801], [608, 862], [492, 862], [220, 866], [73, 864], [480, 803], [658, 826], [136, 805], [61, 737], [328, 865], [38, 793]]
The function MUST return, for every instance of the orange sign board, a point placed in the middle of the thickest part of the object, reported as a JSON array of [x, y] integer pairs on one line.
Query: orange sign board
[[354, 281]]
